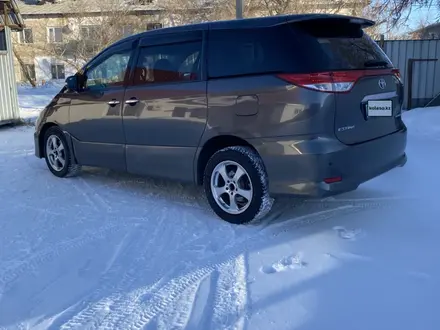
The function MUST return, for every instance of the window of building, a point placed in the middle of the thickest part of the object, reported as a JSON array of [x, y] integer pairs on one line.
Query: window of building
[[26, 36], [89, 32], [169, 63], [3, 41], [54, 35], [58, 71], [30, 69], [154, 26]]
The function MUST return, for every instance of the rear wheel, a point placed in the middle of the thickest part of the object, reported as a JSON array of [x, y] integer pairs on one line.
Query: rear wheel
[[57, 154], [236, 185]]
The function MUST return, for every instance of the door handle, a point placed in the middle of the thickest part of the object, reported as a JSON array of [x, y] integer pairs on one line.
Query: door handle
[[113, 103], [132, 101]]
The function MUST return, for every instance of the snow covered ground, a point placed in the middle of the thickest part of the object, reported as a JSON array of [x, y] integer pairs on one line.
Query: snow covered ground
[[113, 251], [32, 100]]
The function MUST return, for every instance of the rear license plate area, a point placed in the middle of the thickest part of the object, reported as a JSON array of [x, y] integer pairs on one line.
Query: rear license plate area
[[379, 108]]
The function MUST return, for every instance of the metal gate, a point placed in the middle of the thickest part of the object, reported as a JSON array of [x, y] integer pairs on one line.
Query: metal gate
[[419, 64]]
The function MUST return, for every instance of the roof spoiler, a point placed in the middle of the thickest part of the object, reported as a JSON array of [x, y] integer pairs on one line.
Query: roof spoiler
[[364, 23]]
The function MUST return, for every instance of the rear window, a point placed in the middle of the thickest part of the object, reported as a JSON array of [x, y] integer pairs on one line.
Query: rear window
[[340, 46], [296, 48]]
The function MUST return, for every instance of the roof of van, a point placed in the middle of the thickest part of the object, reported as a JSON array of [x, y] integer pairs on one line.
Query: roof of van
[[252, 23]]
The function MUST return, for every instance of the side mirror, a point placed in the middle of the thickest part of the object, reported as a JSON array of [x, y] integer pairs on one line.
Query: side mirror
[[72, 83]]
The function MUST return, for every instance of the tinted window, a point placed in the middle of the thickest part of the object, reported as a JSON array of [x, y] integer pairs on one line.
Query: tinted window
[[252, 51], [109, 72], [339, 46], [3, 41], [296, 48], [168, 63]]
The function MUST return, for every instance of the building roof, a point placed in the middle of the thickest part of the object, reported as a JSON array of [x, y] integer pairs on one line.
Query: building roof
[[65, 7], [10, 15], [427, 28]]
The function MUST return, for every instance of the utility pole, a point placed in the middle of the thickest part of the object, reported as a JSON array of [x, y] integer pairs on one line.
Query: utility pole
[[238, 9]]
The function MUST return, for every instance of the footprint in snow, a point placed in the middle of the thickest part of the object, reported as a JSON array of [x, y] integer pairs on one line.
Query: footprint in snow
[[347, 233], [290, 262]]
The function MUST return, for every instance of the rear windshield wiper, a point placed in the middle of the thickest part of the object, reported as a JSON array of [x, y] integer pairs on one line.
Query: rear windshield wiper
[[376, 63]]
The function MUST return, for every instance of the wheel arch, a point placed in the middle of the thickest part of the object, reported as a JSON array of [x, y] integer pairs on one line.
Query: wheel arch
[[68, 137], [213, 145], [43, 131]]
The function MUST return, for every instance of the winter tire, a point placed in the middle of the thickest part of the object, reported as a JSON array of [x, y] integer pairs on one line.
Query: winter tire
[[57, 154], [236, 185]]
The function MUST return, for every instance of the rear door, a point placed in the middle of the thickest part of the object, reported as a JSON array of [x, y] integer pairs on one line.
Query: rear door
[[369, 103]]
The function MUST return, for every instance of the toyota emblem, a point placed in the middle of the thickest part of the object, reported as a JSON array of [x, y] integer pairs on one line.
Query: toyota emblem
[[382, 83]]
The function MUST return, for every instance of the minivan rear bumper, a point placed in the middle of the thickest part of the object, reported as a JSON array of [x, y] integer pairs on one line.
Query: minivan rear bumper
[[301, 166]]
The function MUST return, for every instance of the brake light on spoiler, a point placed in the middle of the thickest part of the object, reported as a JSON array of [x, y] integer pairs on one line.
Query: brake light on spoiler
[[334, 81]]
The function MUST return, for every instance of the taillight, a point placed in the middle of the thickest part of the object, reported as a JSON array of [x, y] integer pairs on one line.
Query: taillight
[[396, 73], [333, 179], [332, 82], [323, 82]]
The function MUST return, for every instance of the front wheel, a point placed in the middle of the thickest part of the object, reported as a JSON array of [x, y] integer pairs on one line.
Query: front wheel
[[236, 185], [57, 154]]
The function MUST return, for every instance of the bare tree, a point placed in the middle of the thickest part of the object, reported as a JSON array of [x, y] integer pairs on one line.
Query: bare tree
[[397, 12], [278, 7], [191, 11], [23, 67], [419, 32]]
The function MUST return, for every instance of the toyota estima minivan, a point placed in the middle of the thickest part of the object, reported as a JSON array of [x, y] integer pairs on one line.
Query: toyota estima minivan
[[307, 105]]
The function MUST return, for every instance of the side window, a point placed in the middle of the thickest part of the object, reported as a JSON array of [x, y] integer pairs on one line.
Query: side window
[[168, 63], [253, 51], [110, 72]]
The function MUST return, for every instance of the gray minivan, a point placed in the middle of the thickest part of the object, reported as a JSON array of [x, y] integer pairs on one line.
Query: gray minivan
[[307, 105]]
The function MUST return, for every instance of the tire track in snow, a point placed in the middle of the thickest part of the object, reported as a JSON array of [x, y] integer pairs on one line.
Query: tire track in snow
[[118, 303], [124, 307], [161, 296], [205, 321], [179, 313], [135, 313], [95, 306], [231, 296], [161, 251], [98, 305], [164, 296], [8, 276], [91, 196]]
